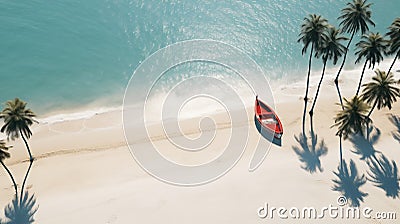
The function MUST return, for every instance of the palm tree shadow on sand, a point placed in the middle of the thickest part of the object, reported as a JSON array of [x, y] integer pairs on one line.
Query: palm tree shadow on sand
[[309, 154], [349, 182], [396, 121], [384, 175], [364, 145], [21, 213], [267, 134]]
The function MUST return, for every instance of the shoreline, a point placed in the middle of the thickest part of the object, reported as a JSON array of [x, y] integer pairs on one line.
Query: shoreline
[[284, 84], [85, 171], [89, 120]]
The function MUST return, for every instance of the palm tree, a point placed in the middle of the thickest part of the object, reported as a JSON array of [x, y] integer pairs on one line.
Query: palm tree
[[331, 49], [5, 155], [381, 91], [394, 47], [312, 32], [371, 48], [350, 120], [355, 17], [17, 120], [353, 118]]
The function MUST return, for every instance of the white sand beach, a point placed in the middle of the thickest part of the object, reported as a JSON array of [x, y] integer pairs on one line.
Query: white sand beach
[[85, 173]]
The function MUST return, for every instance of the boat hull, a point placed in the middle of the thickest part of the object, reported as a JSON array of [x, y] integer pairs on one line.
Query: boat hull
[[268, 119]]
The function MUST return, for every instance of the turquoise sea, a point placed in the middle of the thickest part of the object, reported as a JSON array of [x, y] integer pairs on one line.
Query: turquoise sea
[[67, 54]]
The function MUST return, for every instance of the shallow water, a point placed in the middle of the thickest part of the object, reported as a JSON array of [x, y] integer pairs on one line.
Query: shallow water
[[66, 54]]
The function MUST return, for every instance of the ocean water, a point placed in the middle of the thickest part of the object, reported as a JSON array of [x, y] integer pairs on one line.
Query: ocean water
[[60, 55]]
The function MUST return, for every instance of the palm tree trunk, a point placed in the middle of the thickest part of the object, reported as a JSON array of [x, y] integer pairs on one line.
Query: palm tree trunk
[[12, 178], [340, 70], [26, 145], [372, 109], [361, 78], [30, 165], [311, 126], [307, 85], [340, 96], [394, 61], [319, 86], [25, 178], [344, 59]]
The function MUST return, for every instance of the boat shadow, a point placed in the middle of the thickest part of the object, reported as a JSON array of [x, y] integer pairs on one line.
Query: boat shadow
[[266, 134]]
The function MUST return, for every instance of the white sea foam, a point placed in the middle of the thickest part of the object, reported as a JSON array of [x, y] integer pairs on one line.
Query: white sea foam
[[78, 115], [206, 106], [351, 74]]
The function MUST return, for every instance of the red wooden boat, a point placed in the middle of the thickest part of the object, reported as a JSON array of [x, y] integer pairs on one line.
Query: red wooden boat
[[268, 119]]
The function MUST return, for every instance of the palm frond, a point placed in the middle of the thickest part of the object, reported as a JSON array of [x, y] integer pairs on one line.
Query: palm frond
[[17, 119], [353, 119], [371, 47], [356, 17], [313, 31], [394, 35], [331, 47], [382, 90]]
